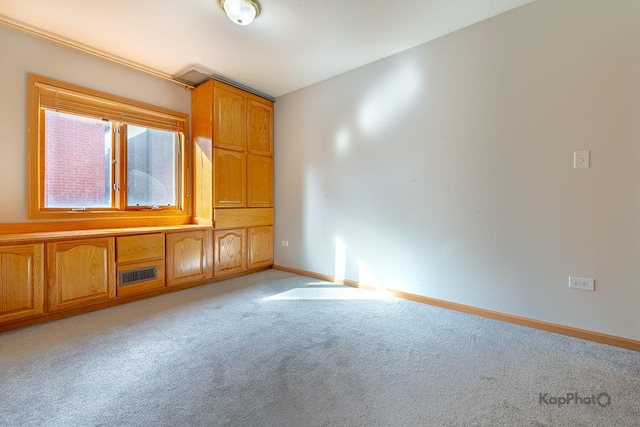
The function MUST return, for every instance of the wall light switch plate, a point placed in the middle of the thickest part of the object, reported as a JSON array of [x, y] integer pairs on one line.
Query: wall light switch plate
[[581, 159]]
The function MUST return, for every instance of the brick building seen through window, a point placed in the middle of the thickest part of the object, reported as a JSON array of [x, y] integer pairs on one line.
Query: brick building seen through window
[[78, 156]]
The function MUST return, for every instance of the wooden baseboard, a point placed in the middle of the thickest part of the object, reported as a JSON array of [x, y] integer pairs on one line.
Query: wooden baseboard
[[504, 317]]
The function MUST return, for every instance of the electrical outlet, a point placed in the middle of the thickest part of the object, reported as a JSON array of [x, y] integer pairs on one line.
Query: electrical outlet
[[581, 159], [581, 283], [285, 243]]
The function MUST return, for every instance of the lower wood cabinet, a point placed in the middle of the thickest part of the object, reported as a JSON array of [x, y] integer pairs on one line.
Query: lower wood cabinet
[[45, 277], [21, 281], [229, 249], [260, 246], [188, 256], [80, 272]]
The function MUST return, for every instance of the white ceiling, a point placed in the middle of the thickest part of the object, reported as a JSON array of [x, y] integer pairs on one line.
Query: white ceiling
[[292, 43]]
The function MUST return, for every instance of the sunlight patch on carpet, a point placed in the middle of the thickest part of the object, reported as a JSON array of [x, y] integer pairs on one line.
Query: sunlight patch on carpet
[[328, 293]]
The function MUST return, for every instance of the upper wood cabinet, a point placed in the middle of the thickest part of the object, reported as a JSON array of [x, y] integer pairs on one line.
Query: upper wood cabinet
[[230, 183], [259, 181], [21, 281], [80, 272], [260, 127], [229, 118], [230, 127]]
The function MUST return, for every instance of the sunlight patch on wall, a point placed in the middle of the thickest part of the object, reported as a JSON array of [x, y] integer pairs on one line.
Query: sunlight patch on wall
[[340, 261], [367, 278], [342, 141], [389, 99]]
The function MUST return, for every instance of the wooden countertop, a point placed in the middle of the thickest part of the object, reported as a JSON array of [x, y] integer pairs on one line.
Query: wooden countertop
[[46, 236]]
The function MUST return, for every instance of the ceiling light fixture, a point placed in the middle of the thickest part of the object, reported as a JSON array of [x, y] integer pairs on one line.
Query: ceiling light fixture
[[242, 12]]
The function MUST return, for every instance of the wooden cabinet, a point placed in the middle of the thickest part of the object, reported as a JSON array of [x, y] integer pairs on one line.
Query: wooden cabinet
[[230, 183], [229, 248], [260, 127], [80, 272], [189, 256], [260, 181], [260, 246], [140, 263], [21, 281], [230, 117]]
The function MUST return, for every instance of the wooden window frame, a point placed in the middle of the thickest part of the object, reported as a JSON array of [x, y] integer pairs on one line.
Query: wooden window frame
[[115, 109]]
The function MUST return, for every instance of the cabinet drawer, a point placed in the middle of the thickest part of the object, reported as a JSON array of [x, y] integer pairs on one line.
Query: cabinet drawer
[[138, 248], [248, 217]]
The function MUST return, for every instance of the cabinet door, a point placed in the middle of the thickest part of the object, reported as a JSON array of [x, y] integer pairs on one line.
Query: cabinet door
[[229, 118], [230, 179], [259, 181], [260, 127], [229, 252], [21, 281], [260, 246], [80, 272], [188, 256]]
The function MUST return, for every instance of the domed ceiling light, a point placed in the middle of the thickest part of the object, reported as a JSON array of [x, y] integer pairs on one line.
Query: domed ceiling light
[[242, 12]]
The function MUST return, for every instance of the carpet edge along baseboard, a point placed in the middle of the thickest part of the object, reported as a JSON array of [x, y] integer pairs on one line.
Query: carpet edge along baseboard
[[496, 315]]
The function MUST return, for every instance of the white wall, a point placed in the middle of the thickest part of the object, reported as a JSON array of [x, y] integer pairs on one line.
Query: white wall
[[21, 53], [447, 170]]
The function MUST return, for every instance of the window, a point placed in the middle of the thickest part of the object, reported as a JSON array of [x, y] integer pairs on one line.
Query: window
[[99, 155]]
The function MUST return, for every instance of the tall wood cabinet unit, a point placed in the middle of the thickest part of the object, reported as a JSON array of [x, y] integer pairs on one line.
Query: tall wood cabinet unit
[[188, 257], [80, 272], [21, 281], [233, 174]]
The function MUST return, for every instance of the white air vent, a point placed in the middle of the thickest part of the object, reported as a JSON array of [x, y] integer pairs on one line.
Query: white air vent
[[137, 276], [193, 76]]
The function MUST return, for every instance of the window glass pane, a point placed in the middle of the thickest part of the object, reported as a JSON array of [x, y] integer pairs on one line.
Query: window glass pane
[[152, 158], [77, 171]]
